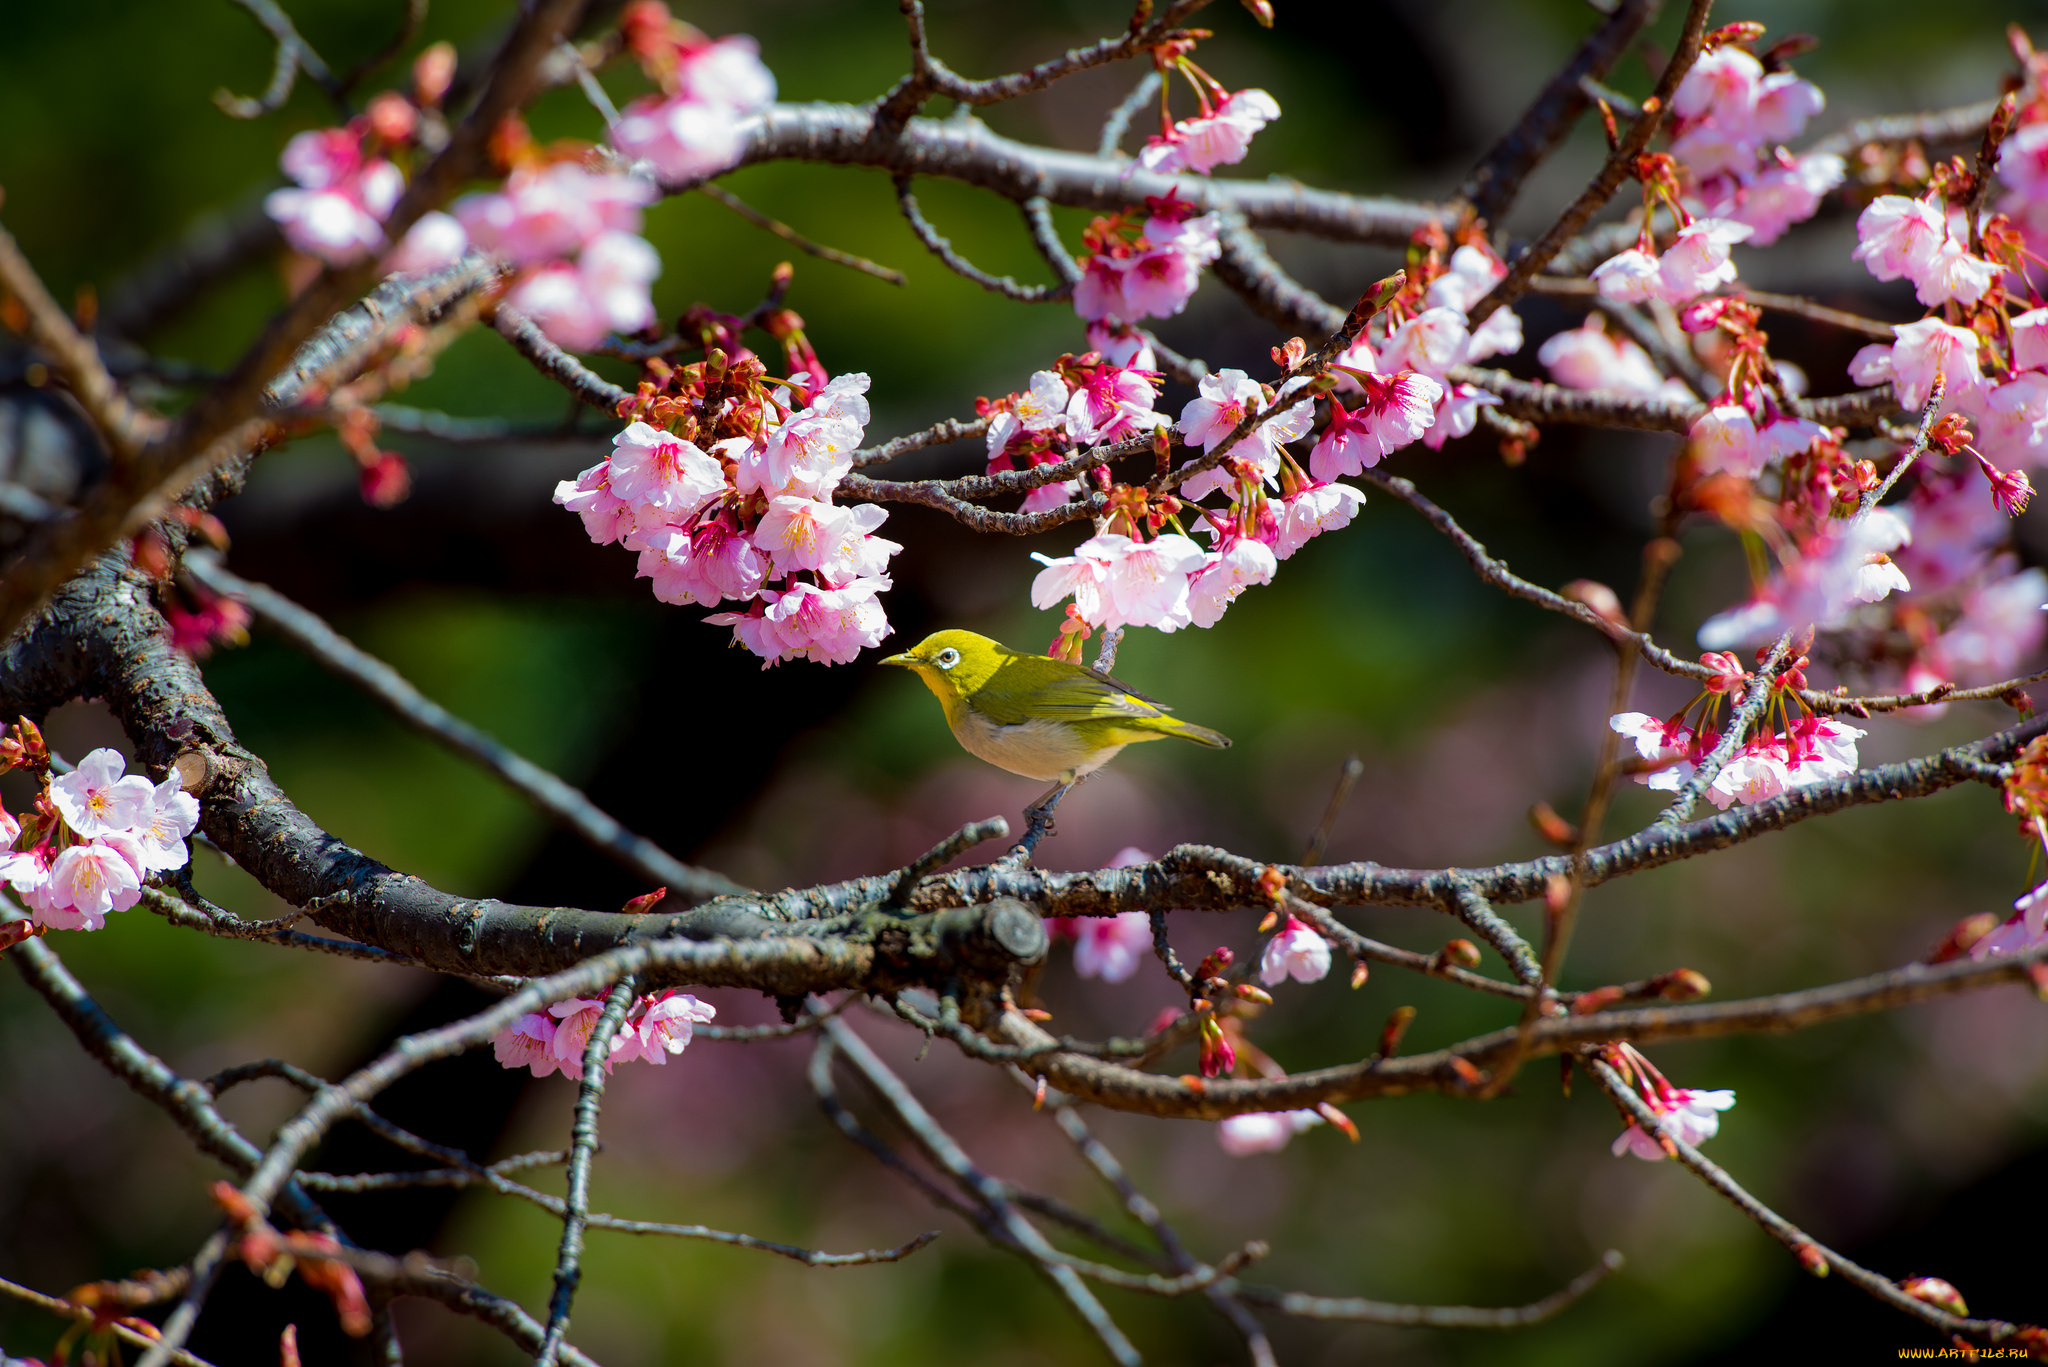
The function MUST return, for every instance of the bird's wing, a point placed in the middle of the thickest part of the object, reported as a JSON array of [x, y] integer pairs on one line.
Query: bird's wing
[[1063, 696]]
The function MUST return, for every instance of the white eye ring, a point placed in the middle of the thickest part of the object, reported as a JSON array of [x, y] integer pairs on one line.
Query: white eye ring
[[946, 658]]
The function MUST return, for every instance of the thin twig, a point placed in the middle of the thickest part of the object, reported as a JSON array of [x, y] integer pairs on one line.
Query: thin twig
[[1802, 1245], [797, 239], [943, 1151], [294, 54], [597, 1053], [1618, 167], [1119, 121], [551, 796], [943, 249]]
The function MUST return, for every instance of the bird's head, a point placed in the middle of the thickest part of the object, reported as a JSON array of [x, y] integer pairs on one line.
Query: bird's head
[[953, 664]]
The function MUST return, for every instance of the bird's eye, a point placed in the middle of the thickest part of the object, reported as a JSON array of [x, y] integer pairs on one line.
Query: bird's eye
[[946, 658]]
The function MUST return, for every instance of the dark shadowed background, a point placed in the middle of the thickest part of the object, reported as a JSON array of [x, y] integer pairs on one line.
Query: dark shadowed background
[[1914, 1141]]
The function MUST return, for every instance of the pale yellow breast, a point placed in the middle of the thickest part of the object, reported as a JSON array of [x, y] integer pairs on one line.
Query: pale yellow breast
[[1040, 749]]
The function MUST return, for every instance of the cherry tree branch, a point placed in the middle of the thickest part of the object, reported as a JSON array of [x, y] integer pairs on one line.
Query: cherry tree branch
[[227, 420], [961, 266], [1619, 166], [543, 791], [1494, 182], [294, 54], [967, 151]]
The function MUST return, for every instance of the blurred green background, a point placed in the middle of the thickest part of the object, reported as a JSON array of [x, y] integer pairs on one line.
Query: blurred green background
[[1885, 1137]]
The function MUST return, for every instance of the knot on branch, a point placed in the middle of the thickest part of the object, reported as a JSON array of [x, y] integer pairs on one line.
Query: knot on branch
[[992, 938]]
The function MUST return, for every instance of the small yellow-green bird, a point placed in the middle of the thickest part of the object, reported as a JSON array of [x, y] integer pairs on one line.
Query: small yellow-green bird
[[1033, 715]]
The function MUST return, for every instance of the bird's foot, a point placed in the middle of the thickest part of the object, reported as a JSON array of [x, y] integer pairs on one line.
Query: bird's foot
[[1038, 824]]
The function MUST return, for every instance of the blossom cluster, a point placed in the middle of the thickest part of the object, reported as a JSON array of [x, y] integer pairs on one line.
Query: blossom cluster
[[95, 836], [1803, 748], [1145, 569], [1147, 269], [691, 129], [747, 515], [1090, 400], [1732, 116], [1932, 572], [567, 218], [555, 1040]]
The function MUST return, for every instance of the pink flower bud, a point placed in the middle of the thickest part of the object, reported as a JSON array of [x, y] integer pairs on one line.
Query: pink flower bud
[[1936, 1292]]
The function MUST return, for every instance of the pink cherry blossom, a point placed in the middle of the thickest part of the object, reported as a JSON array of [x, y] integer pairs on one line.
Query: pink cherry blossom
[[1724, 439], [1898, 237], [1395, 413], [1219, 138], [1146, 582], [1666, 748], [1784, 102], [1698, 260], [1457, 413], [2001, 625], [658, 470], [1173, 223], [95, 799], [338, 211], [1467, 276], [1296, 952], [706, 564], [1314, 510], [1590, 357], [1223, 400], [1783, 436], [1952, 273], [1099, 293], [1121, 345], [1723, 84], [806, 456], [173, 814], [1158, 283], [605, 291], [1082, 576], [660, 1025], [1112, 404], [2028, 928], [1041, 406], [528, 1042], [2030, 335], [727, 73], [1691, 1117], [681, 138], [88, 881], [2014, 424], [1262, 1131], [1629, 277], [845, 397], [552, 211], [1789, 192], [434, 241], [804, 534], [1221, 403], [1845, 565], [831, 625], [1430, 343], [1231, 570], [1819, 748], [606, 516], [1928, 348], [1112, 947]]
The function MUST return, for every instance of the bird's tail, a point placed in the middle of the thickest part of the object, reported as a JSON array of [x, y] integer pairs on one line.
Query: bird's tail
[[1187, 730]]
